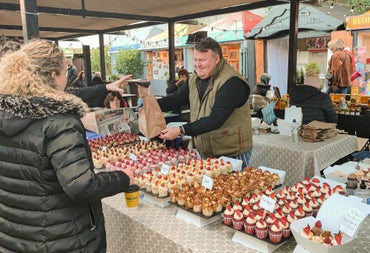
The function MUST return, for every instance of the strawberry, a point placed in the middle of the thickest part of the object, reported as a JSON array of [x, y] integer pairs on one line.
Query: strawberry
[[251, 215], [229, 208], [315, 180], [318, 224], [338, 237], [307, 229], [327, 240], [283, 221], [272, 195]]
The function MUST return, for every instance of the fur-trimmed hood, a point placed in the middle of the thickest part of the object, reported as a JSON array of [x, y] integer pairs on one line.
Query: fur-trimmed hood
[[17, 112]]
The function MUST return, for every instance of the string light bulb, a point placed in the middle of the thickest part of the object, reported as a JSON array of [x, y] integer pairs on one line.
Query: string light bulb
[[352, 9], [331, 5]]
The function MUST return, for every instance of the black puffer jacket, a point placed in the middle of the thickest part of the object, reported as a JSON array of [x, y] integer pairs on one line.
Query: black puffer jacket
[[50, 197], [315, 104]]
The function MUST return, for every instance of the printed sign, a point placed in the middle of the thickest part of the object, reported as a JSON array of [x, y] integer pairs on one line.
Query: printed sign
[[207, 182]]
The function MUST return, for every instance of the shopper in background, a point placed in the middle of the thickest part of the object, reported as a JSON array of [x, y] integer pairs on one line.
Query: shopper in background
[[72, 72], [262, 95], [340, 67], [315, 104], [218, 96], [97, 79], [175, 84], [80, 81], [50, 197]]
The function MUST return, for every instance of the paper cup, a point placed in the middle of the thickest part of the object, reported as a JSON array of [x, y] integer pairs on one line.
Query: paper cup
[[132, 196]]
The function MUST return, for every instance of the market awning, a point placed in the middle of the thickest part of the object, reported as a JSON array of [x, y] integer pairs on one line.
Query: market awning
[[276, 24]]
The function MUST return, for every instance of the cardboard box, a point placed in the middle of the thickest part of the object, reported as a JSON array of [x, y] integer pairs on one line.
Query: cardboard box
[[108, 121], [236, 163], [281, 173], [332, 221]]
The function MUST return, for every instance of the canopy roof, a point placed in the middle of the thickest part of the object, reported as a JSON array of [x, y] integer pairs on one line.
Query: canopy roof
[[276, 24], [65, 19]]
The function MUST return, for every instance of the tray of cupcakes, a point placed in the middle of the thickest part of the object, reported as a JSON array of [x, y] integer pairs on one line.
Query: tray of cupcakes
[[291, 203]]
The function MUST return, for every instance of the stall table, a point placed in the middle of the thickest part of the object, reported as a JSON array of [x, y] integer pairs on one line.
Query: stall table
[[149, 228], [302, 159]]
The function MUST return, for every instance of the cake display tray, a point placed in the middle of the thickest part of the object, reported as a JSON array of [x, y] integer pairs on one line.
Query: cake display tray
[[155, 199], [197, 219]]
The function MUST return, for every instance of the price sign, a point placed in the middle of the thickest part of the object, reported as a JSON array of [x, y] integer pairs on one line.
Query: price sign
[[267, 203], [207, 182], [133, 157], [165, 169], [351, 221], [104, 148]]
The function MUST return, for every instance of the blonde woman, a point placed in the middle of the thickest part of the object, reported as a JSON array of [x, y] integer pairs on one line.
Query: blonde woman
[[50, 197], [340, 68]]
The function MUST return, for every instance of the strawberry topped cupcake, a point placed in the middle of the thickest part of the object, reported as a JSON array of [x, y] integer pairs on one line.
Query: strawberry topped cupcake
[[315, 207], [260, 214], [269, 190], [228, 215], [306, 232], [276, 232], [299, 212], [307, 208], [285, 226], [279, 213], [270, 220], [245, 202], [247, 209], [250, 224], [286, 208], [315, 181], [281, 194], [238, 220], [261, 229], [291, 217], [237, 206]]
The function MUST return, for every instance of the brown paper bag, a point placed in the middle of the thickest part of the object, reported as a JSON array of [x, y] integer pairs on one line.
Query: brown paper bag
[[151, 119]]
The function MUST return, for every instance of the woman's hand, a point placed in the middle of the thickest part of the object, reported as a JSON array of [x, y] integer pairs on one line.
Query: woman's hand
[[130, 172]]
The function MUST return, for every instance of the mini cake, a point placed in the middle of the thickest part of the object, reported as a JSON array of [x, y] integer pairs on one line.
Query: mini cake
[[352, 181], [250, 224], [317, 229], [238, 220], [306, 232], [207, 207], [261, 229], [285, 226], [286, 208], [279, 213], [197, 207], [228, 215], [247, 209], [260, 214], [326, 236], [275, 232], [189, 201]]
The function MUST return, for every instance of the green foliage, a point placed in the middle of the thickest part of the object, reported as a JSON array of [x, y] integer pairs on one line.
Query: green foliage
[[129, 62], [360, 6], [312, 69], [95, 60], [300, 76]]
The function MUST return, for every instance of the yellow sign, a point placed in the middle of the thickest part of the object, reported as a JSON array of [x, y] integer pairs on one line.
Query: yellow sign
[[358, 22]]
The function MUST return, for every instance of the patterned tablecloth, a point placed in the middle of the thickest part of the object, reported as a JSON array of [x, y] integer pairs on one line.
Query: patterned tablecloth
[[149, 228], [302, 159]]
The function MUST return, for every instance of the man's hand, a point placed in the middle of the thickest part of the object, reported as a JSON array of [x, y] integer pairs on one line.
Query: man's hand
[[119, 84], [170, 133]]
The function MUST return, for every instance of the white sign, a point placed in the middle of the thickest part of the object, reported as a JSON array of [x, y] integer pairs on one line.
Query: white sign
[[207, 182], [267, 203], [165, 169], [352, 221], [133, 157], [104, 148]]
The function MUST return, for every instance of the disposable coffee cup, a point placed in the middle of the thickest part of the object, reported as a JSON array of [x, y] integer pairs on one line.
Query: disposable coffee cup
[[132, 196]]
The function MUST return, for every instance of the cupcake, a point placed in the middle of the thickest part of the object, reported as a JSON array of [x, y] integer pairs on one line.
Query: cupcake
[[261, 229], [299, 212], [238, 220], [279, 213], [352, 181], [306, 232], [247, 209], [250, 224], [286, 208], [315, 207], [294, 204], [317, 193], [268, 191], [285, 226], [207, 207], [270, 220], [291, 217], [197, 206], [301, 199], [275, 232], [228, 215], [307, 208], [260, 214], [245, 202], [339, 189], [281, 194], [163, 190], [237, 206], [315, 181], [286, 190]]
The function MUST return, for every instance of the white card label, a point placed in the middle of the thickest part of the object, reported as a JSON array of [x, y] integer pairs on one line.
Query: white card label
[[267, 203], [133, 157], [104, 148], [207, 182], [165, 169], [351, 221]]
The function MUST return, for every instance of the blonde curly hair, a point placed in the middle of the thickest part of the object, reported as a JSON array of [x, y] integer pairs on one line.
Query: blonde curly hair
[[27, 71]]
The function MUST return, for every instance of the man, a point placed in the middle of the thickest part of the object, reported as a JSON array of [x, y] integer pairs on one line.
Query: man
[[72, 72], [220, 119]]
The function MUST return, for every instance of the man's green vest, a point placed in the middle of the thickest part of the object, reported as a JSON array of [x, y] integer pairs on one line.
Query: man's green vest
[[235, 135]]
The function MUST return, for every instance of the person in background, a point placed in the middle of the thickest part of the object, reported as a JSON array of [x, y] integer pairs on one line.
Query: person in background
[[50, 196], [72, 72], [175, 84], [115, 100], [262, 95], [340, 67], [315, 104], [220, 119], [9, 46], [97, 79], [80, 82]]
